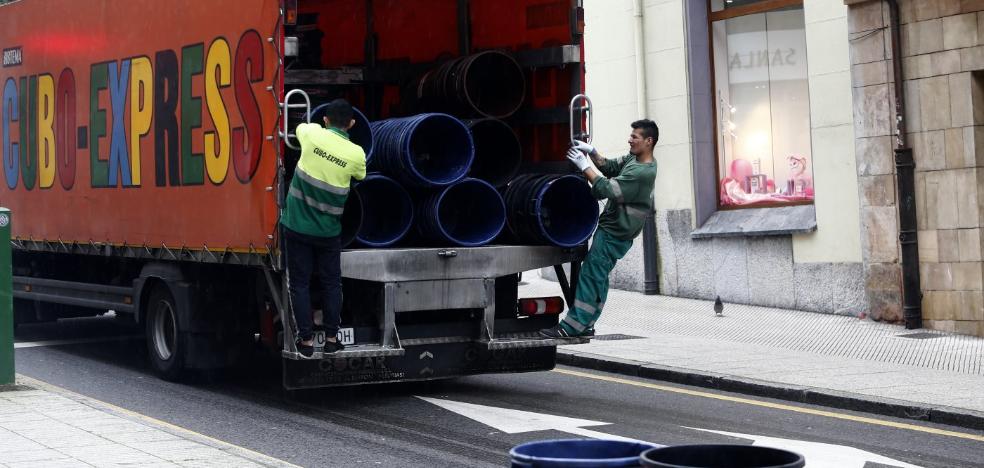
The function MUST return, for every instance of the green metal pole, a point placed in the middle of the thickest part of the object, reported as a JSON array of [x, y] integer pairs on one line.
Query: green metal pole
[[6, 303]]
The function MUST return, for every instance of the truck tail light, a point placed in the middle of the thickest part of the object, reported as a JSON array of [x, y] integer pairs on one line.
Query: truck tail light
[[541, 306], [290, 16]]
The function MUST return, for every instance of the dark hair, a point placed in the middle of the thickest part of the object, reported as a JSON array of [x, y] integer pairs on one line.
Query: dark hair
[[339, 113], [649, 129]]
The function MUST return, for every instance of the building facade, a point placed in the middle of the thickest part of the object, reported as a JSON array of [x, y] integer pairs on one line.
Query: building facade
[[942, 51], [776, 179]]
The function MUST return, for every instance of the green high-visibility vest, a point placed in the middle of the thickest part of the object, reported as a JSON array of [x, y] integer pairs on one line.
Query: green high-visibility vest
[[317, 194]]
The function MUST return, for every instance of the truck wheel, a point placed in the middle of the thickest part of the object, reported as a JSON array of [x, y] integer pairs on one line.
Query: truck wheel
[[165, 339]]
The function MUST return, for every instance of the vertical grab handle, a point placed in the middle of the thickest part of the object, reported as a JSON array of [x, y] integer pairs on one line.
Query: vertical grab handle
[[286, 106], [577, 117]]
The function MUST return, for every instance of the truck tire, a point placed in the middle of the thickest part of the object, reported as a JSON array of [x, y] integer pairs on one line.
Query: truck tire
[[166, 342]]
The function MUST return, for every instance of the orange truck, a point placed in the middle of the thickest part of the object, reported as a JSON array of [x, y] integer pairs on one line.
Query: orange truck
[[144, 147]]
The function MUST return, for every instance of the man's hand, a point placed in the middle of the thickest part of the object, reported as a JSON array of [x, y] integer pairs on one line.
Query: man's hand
[[585, 147], [591, 151], [579, 159]]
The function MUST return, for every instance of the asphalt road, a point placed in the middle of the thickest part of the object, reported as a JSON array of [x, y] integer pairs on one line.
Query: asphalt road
[[389, 425]]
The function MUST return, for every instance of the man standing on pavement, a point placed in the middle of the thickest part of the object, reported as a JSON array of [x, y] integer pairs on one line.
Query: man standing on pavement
[[312, 220], [627, 184]]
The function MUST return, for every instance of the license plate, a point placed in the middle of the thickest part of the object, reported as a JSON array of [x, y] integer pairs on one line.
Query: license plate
[[345, 335]]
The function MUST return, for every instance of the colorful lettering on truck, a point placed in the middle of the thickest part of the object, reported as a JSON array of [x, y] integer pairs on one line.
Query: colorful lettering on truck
[[140, 121]]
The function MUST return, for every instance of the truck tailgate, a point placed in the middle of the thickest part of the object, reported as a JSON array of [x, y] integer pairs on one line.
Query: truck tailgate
[[419, 264]]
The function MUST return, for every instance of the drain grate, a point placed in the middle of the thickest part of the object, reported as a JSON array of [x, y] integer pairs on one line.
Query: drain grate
[[616, 337], [920, 335]]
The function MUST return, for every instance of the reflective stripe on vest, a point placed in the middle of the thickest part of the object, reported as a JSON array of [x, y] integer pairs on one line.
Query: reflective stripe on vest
[[322, 207], [320, 184]]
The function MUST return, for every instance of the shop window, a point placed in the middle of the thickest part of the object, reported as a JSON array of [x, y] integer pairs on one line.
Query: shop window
[[762, 103]]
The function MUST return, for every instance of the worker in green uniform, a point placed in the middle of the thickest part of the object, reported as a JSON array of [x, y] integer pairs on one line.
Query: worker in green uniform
[[627, 184], [312, 220]]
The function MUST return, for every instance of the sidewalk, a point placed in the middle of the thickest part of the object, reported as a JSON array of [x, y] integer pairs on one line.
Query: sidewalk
[[43, 426], [800, 356]]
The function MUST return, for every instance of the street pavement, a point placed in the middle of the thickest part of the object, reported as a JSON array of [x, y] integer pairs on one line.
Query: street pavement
[[87, 398], [802, 356], [43, 426], [471, 421]]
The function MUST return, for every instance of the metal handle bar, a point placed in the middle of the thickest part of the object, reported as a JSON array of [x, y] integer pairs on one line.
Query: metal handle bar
[[285, 133], [587, 108]]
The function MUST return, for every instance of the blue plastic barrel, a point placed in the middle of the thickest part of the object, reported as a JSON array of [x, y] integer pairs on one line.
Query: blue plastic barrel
[[425, 151], [551, 209], [577, 453], [486, 84], [721, 456], [360, 133], [498, 153], [468, 213], [352, 218], [387, 211]]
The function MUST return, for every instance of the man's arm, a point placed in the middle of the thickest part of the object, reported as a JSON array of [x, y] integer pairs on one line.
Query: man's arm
[[598, 159], [583, 164], [606, 166], [303, 129], [615, 188], [359, 172], [592, 175]]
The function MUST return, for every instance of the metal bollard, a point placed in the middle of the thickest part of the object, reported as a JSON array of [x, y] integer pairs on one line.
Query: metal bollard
[[6, 303]]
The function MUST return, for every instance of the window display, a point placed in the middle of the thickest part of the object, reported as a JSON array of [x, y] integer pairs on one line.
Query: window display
[[762, 104]]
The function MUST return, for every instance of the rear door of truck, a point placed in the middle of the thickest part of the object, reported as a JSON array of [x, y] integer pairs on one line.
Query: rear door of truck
[[419, 312]]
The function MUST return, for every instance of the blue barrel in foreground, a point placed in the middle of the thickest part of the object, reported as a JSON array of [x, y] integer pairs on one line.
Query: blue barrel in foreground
[[721, 456], [468, 213], [360, 133], [551, 209], [578, 453], [424, 151], [387, 211]]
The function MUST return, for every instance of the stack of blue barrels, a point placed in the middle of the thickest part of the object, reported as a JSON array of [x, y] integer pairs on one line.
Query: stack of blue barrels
[[437, 180]]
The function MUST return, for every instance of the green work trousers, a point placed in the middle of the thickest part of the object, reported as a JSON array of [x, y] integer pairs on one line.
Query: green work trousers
[[592, 285]]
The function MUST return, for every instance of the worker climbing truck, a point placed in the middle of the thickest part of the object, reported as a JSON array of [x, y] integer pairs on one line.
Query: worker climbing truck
[[148, 147]]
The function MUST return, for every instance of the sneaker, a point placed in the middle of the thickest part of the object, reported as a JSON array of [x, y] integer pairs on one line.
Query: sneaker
[[333, 347], [560, 332], [306, 351]]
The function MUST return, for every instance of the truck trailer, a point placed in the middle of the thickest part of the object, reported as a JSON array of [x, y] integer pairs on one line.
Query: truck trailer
[[147, 148]]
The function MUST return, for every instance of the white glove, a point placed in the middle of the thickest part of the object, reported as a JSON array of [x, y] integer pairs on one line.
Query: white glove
[[585, 147], [579, 159]]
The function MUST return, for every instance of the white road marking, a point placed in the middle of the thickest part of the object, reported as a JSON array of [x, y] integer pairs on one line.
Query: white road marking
[[513, 421], [39, 344], [510, 421], [817, 454]]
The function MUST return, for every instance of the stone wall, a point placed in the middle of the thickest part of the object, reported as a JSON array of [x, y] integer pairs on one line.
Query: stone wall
[[752, 270], [943, 56], [758, 270]]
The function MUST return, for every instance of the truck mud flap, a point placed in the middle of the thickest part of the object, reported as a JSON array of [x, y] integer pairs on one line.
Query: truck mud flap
[[424, 362]]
